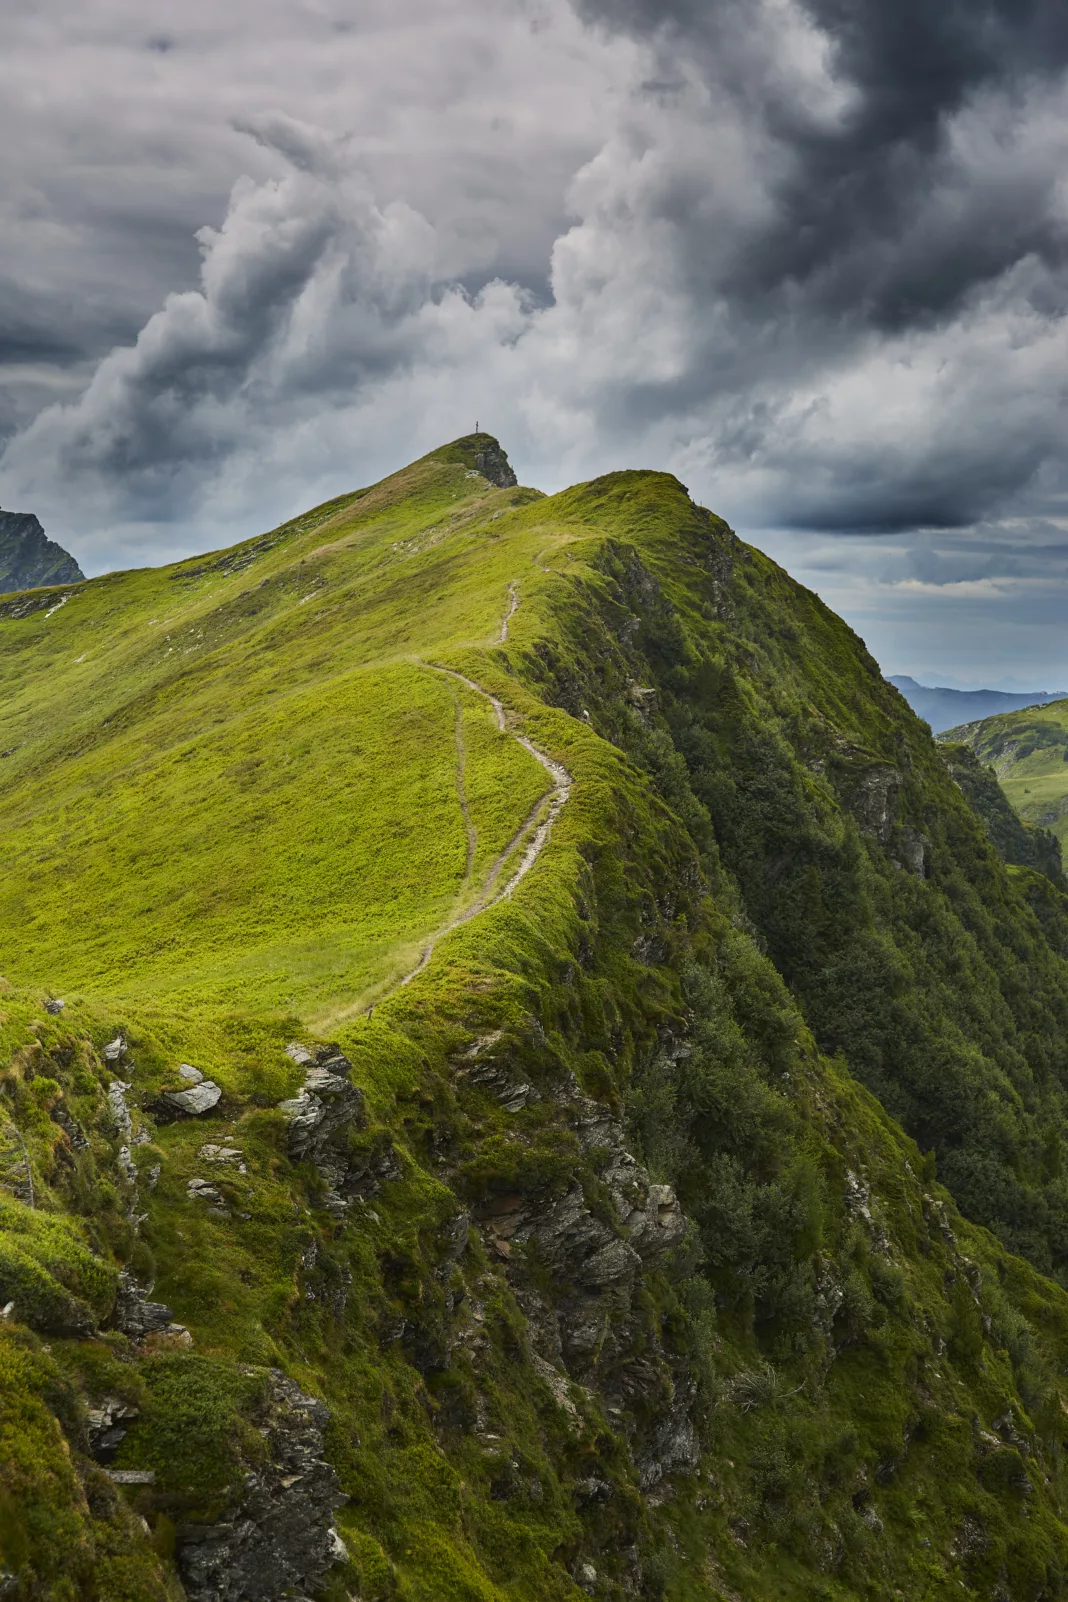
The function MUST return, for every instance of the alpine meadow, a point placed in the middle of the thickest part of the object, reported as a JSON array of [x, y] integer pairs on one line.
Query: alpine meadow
[[525, 1073]]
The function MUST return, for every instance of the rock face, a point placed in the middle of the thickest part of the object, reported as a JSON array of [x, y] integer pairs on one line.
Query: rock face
[[320, 1118], [279, 1541], [873, 801], [28, 558], [493, 464], [583, 1303], [134, 1314]]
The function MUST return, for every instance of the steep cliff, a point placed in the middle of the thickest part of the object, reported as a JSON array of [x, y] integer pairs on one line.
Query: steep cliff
[[523, 1077], [28, 559]]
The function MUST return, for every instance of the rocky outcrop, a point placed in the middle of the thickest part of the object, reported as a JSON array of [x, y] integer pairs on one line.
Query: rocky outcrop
[[873, 800], [189, 1103], [70, 1126], [321, 1118], [107, 1425], [327, 1103], [577, 1274], [120, 1112], [911, 850], [492, 463], [31, 601], [279, 1540], [195, 1096], [499, 1080], [29, 559], [133, 1313]]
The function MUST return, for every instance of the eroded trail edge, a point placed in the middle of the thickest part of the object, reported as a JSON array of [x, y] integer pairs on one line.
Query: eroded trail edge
[[513, 607], [536, 844]]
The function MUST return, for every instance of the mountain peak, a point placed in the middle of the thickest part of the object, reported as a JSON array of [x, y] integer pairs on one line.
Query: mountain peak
[[483, 454], [29, 559]]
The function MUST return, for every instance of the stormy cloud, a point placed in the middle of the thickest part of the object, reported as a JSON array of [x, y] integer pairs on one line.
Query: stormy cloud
[[809, 256], [897, 192]]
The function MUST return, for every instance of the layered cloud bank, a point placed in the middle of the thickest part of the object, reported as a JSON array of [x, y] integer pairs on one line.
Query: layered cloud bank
[[809, 256]]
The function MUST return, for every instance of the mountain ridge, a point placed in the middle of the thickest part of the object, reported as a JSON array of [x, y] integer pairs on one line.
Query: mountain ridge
[[368, 1233], [1025, 750]]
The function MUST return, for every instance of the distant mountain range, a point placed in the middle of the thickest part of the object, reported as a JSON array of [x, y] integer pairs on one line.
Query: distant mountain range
[[946, 709], [29, 559]]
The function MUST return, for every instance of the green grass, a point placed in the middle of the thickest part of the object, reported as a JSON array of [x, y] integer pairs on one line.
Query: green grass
[[226, 792], [230, 816], [1028, 752]]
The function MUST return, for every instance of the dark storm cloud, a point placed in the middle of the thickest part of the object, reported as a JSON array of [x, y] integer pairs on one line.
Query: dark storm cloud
[[810, 256], [24, 339], [119, 138], [204, 322], [877, 217], [916, 173]]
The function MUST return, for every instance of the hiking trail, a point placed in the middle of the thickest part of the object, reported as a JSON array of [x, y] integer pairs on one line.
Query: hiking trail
[[538, 832]]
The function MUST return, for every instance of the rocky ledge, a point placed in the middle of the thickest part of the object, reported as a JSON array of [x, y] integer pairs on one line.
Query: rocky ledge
[[322, 1119], [279, 1540]]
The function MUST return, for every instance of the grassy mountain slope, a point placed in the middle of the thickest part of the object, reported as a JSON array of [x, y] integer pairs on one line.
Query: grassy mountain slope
[[1029, 752], [1022, 844], [601, 1240]]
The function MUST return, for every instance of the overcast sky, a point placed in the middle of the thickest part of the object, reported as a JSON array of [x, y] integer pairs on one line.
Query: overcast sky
[[810, 255]]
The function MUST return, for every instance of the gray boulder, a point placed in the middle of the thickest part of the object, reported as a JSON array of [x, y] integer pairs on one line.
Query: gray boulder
[[194, 1101]]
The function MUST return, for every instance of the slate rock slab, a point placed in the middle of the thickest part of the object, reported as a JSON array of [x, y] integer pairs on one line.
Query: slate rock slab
[[194, 1101]]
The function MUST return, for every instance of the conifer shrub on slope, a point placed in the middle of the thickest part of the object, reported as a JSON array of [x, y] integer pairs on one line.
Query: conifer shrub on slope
[[763, 896]]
